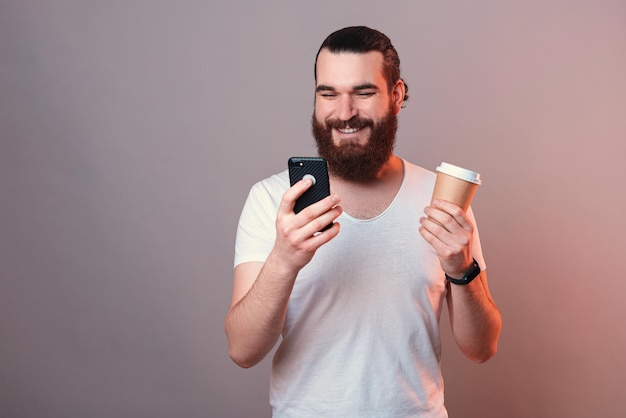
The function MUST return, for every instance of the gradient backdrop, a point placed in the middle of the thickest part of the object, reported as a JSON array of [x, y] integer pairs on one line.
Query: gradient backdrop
[[131, 132]]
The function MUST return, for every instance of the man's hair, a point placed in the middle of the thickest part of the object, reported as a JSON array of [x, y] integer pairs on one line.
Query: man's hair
[[361, 39]]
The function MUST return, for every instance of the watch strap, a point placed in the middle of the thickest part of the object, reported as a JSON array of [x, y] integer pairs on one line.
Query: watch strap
[[468, 277]]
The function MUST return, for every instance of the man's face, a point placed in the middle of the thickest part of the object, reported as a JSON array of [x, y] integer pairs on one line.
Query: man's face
[[355, 118]]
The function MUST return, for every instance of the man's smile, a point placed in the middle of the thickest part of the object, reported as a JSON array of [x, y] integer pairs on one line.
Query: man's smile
[[348, 130]]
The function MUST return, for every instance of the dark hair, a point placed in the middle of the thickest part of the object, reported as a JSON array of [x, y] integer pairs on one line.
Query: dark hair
[[361, 39]]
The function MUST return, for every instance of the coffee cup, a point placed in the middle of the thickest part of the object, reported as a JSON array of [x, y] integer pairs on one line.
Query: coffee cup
[[455, 184]]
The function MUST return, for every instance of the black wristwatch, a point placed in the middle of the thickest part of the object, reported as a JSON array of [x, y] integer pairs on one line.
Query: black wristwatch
[[469, 276]]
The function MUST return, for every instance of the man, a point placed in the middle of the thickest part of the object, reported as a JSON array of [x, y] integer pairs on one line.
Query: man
[[358, 305]]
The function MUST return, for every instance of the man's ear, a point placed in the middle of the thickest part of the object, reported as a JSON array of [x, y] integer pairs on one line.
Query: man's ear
[[397, 96]]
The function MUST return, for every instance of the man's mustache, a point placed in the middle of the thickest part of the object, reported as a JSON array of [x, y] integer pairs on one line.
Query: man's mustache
[[355, 122]]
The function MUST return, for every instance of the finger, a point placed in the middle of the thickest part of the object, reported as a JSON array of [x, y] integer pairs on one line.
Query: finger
[[444, 236], [317, 216], [319, 239], [319, 208], [313, 242], [453, 210], [436, 217], [308, 239], [431, 238], [322, 221], [292, 194], [426, 233], [431, 224]]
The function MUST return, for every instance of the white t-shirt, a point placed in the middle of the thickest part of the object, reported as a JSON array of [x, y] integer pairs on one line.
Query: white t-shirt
[[361, 338]]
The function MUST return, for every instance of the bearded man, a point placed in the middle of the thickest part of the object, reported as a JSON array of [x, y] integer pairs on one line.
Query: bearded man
[[356, 308]]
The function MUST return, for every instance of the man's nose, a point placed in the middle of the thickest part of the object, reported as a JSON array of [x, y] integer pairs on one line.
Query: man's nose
[[346, 110]]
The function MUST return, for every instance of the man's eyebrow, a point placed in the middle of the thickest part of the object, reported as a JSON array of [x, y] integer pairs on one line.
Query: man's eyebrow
[[366, 86], [323, 87]]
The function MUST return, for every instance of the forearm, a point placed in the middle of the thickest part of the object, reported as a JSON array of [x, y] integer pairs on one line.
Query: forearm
[[475, 319], [255, 322], [261, 292]]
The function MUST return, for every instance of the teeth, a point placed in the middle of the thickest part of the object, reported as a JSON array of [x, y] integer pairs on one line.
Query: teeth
[[348, 130]]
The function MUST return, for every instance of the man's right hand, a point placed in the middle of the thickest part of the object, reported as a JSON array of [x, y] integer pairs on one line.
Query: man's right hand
[[296, 233]]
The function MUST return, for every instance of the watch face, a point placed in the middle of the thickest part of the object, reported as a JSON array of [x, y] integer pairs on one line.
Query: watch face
[[474, 271]]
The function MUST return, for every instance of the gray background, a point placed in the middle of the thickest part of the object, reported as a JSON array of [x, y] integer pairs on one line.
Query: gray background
[[131, 132]]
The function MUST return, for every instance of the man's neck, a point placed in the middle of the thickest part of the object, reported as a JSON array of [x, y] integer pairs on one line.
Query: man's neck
[[368, 200]]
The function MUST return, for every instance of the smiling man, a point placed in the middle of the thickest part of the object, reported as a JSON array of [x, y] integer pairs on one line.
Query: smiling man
[[356, 308], [355, 119]]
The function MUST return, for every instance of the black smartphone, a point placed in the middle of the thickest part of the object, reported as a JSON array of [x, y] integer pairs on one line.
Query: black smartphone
[[316, 169]]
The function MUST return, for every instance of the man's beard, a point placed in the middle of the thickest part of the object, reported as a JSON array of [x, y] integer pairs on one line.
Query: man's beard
[[354, 162]]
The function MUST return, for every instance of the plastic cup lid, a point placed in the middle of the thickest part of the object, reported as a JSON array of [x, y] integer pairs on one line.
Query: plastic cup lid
[[461, 173]]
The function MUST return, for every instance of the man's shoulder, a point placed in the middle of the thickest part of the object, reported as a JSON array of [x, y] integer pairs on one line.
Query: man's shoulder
[[274, 184], [412, 169], [264, 197]]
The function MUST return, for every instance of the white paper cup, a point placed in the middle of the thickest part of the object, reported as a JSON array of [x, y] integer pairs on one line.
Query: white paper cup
[[455, 184]]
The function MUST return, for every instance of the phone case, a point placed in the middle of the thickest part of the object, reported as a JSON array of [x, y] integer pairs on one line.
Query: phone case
[[315, 166]]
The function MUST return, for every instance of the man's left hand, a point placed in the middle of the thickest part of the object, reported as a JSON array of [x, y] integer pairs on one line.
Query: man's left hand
[[448, 230]]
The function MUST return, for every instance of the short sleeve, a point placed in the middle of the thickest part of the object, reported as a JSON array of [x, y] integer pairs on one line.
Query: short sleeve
[[256, 231]]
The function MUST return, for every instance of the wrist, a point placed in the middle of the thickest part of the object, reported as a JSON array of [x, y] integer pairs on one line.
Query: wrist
[[469, 275], [280, 266]]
